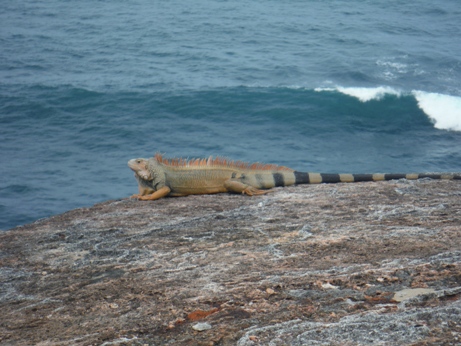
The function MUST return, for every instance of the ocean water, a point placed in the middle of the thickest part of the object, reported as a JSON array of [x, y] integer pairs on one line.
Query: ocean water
[[322, 86]]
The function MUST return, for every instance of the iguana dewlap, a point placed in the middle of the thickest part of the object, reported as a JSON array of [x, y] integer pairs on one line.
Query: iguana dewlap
[[159, 177]]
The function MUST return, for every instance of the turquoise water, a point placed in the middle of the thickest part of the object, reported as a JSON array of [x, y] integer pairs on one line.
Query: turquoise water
[[331, 86]]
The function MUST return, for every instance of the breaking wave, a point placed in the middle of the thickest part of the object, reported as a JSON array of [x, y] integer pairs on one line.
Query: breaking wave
[[443, 110]]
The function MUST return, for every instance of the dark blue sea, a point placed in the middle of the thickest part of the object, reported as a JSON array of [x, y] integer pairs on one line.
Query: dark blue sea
[[322, 86]]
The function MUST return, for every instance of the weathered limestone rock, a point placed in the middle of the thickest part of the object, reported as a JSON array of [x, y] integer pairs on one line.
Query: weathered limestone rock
[[344, 264]]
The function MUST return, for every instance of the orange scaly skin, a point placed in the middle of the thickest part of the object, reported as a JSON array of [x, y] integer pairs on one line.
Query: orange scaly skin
[[159, 177]]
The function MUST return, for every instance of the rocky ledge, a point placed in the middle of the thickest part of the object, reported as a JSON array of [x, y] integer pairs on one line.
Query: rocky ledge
[[343, 264]]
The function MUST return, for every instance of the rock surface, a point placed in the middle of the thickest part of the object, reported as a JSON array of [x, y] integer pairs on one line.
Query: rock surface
[[344, 264]]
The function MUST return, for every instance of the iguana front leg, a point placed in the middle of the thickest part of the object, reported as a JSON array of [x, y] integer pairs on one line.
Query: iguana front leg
[[164, 191], [238, 187]]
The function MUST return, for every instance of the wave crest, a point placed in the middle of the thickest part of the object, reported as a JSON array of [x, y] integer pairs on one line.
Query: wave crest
[[365, 94]]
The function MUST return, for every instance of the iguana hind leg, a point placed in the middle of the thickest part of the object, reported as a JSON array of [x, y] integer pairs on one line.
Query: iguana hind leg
[[238, 187]]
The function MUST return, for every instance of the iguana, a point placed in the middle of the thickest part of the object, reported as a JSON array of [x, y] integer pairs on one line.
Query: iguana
[[159, 177]]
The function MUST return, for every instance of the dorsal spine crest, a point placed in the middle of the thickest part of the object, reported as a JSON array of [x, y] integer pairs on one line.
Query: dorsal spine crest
[[218, 162]]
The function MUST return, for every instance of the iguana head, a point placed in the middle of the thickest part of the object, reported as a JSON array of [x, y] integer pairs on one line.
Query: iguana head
[[139, 167]]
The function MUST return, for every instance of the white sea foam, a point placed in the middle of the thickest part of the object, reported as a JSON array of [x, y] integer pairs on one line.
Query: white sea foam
[[324, 89], [443, 110], [396, 66]]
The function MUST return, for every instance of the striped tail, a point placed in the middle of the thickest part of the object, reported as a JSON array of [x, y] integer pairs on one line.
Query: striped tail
[[318, 178]]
